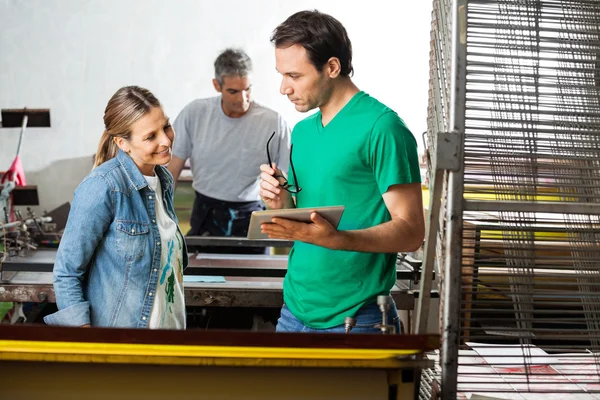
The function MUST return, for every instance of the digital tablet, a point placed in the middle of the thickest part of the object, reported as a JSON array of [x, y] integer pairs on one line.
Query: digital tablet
[[333, 214]]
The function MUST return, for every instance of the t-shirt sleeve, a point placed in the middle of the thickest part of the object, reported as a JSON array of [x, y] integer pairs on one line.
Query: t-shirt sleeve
[[393, 153], [182, 145]]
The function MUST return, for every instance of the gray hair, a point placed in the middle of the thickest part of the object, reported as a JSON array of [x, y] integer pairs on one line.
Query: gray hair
[[232, 62]]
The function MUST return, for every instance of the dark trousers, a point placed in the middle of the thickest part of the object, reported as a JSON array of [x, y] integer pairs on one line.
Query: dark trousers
[[213, 217]]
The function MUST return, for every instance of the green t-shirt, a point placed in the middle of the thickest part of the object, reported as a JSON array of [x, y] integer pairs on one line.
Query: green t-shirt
[[352, 161]]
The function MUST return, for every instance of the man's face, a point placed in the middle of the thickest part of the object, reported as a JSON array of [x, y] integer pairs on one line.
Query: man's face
[[235, 91], [301, 82]]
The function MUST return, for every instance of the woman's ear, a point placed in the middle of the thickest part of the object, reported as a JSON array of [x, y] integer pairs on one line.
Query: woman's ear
[[122, 144]]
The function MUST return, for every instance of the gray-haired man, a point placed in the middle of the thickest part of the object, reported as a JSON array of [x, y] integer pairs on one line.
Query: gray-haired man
[[225, 138]]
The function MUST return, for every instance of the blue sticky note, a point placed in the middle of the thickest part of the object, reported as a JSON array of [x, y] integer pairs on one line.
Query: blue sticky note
[[204, 278]]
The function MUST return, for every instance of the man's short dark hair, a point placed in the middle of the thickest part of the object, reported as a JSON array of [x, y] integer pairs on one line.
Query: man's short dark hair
[[232, 62], [320, 34]]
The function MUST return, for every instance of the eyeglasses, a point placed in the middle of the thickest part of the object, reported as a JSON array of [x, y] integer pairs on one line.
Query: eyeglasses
[[285, 185]]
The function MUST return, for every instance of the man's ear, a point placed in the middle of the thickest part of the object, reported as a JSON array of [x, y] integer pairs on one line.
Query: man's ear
[[217, 85], [333, 68], [122, 144]]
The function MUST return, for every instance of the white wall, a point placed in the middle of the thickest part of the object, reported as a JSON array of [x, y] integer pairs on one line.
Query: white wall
[[72, 55]]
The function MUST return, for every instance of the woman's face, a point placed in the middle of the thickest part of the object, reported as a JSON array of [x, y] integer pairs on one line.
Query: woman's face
[[150, 142]]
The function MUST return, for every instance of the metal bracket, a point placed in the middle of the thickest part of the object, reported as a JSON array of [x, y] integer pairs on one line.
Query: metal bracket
[[448, 150]]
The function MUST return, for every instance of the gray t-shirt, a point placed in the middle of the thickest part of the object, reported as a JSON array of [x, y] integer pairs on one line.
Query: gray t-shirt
[[226, 153]]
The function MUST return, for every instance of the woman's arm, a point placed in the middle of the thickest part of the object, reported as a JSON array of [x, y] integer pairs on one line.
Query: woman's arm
[[90, 217]]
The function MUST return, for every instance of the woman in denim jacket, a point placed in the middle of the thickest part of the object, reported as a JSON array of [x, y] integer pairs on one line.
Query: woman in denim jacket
[[120, 261]]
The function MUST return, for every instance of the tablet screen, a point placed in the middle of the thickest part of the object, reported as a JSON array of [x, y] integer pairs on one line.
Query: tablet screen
[[333, 214]]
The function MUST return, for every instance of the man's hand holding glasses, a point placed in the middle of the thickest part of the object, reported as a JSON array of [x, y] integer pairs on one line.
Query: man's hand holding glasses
[[271, 191], [275, 190]]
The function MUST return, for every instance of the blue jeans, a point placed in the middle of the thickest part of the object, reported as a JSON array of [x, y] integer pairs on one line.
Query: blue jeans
[[367, 317]]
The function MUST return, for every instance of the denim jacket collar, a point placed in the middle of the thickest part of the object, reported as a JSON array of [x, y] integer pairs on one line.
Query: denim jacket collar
[[165, 177], [136, 177]]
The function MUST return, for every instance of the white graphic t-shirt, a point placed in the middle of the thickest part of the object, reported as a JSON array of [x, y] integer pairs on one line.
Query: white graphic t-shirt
[[168, 310]]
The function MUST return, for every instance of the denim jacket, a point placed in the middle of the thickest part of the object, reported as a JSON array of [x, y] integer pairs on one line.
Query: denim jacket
[[107, 264]]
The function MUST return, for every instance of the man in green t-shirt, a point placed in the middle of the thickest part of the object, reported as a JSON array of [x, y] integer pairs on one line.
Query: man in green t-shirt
[[355, 152]]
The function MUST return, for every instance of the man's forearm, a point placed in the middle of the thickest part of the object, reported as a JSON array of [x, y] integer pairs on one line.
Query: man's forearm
[[176, 174], [390, 237], [175, 167]]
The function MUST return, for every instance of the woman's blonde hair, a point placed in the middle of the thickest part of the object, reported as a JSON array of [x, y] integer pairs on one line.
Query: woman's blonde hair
[[124, 108]]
